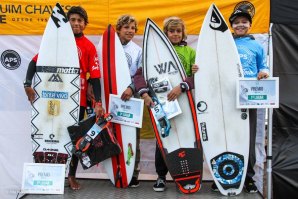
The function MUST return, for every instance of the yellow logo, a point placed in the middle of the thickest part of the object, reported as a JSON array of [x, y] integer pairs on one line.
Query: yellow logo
[[54, 107]]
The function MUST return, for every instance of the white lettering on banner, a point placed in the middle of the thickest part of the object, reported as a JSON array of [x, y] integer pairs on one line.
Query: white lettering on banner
[[11, 9]]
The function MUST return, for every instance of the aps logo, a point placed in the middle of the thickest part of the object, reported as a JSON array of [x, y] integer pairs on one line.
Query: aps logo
[[10, 59]]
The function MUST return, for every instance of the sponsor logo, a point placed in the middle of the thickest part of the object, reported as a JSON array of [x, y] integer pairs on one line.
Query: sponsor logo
[[55, 78], [47, 149], [10, 59], [54, 95], [58, 16], [51, 140], [204, 131], [68, 70], [23, 13], [54, 107], [217, 22], [53, 69], [244, 116], [202, 106], [167, 67], [51, 136], [95, 68], [181, 154]]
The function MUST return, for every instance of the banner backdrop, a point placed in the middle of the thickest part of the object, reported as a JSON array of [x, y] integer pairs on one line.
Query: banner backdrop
[[15, 130], [29, 17]]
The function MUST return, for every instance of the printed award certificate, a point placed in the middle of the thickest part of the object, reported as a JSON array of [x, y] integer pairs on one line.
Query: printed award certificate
[[253, 93], [126, 112]]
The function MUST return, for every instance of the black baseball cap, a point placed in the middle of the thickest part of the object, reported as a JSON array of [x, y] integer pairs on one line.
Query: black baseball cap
[[240, 12]]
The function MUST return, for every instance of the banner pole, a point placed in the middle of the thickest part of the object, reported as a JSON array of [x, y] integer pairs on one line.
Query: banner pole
[[269, 135]]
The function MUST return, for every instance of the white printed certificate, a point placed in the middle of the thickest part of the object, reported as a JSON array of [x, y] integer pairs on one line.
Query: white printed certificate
[[43, 178], [253, 93], [126, 112]]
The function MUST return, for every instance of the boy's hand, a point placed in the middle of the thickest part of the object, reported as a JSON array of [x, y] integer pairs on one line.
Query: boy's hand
[[147, 100], [30, 94], [98, 109], [262, 75], [194, 68], [127, 94], [174, 93]]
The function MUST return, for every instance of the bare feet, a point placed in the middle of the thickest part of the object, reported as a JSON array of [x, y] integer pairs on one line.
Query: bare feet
[[73, 184]]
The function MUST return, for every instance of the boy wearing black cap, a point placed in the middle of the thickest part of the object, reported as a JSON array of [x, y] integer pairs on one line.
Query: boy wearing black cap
[[253, 61]]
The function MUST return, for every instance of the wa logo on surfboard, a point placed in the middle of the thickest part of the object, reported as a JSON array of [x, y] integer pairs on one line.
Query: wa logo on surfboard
[[217, 22], [166, 67]]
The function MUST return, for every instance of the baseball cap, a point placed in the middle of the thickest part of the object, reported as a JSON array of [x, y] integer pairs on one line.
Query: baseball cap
[[240, 12]]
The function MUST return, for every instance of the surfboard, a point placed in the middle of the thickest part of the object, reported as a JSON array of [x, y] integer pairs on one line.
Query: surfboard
[[57, 87], [115, 79], [224, 129], [181, 149]]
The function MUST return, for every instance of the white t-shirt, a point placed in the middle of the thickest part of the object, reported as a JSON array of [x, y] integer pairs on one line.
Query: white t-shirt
[[133, 54]]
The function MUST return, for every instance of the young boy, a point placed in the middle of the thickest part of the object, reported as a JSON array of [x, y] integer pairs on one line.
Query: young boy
[[174, 29], [126, 28], [88, 58], [253, 60]]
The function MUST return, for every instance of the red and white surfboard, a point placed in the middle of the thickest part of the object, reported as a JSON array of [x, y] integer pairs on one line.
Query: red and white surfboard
[[115, 79]]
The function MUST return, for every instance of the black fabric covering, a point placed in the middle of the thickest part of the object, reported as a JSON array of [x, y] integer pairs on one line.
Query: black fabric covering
[[284, 11], [285, 119], [103, 146]]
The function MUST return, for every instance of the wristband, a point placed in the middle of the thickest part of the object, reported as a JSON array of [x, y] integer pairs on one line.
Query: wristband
[[183, 87], [27, 83]]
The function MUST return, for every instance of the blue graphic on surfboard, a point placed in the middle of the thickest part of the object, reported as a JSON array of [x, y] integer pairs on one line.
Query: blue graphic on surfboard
[[224, 129], [57, 87], [181, 149]]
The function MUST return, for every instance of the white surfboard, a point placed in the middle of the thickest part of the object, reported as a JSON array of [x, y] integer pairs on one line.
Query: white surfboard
[[224, 129], [115, 79], [57, 86], [181, 149]]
